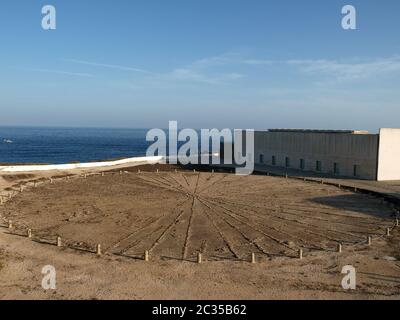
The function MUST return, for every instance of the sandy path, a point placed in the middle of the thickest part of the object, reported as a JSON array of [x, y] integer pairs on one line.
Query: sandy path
[[84, 276]]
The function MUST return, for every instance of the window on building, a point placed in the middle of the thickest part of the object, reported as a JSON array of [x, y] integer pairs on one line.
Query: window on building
[[336, 168], [318, 166], [287, 162], [356, 170], [273, 160], [261, 158], [302, 164]]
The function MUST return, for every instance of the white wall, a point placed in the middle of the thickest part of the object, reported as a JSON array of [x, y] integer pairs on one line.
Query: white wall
[[345, 149], [389, 155]]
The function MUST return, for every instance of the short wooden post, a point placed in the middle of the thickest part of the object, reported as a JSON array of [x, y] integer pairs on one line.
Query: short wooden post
[[29, 233], [253, 258], [212, 171], [1, 200], [199, 258], [387, 232], [194, 170], [59, 242], [85, 176], [158, 171], [397, 222], [138, 171], [51, 180], [9, 195], [339, 186], [120, 172], [35, 184], [146, 256], [21, 188], [102, 174], [98, 250], [369, 240], [322, 181], [339, 248], [286, 176], [10, 224], [355, 190], [301, 254]]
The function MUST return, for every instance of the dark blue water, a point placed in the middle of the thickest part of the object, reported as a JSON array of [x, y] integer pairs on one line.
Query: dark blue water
[[67, 145]]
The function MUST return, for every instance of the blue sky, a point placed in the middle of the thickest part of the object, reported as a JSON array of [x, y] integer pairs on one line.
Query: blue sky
[[226, 63]]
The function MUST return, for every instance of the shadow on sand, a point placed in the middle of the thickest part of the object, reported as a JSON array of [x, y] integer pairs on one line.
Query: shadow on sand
[[359, 203]]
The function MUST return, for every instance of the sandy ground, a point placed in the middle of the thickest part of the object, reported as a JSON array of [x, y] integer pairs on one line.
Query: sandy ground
[[175, 216]]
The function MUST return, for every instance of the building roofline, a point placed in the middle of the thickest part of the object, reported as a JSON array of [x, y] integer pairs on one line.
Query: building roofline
[[319, 131]]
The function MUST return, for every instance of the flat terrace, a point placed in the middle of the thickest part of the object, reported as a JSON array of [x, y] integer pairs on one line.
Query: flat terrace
[[179, 214]]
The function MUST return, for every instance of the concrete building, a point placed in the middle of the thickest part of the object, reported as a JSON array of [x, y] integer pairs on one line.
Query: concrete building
[[355, 154]]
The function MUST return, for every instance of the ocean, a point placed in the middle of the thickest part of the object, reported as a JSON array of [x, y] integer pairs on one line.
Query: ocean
[[68, 145]]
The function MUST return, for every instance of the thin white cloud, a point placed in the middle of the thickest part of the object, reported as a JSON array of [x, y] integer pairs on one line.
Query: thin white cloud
[[192, 75], [202, 70], [230, 59], [233, 76], [65, 73], [220, 69], [258, 62], [110, 66], [349, 70], [207, 70], [220, 60], [187, 74]]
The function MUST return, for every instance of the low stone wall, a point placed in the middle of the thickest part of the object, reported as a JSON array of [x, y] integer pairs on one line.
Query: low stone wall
[[28, 168]]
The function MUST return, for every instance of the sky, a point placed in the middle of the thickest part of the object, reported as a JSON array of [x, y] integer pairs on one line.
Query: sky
[[204, 63]]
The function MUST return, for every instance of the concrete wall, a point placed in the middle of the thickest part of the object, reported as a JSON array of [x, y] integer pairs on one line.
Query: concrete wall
[[346, 149], [389, 155]]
